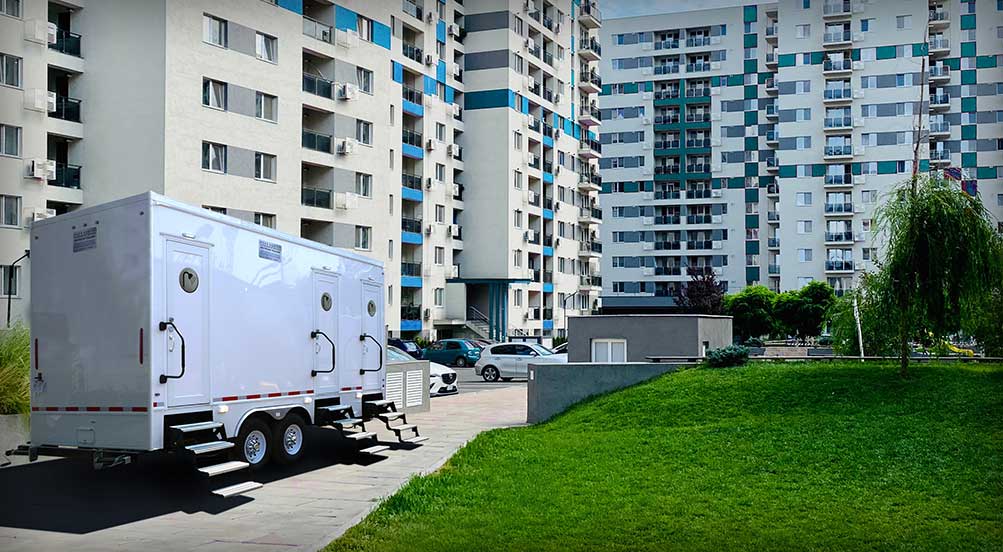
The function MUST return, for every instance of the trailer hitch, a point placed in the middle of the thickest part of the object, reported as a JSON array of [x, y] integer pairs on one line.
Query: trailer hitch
[[163, 328], [313, 335], [363, 338]]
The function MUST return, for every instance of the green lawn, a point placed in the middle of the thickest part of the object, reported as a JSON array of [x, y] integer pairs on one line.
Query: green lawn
[[816, 456]]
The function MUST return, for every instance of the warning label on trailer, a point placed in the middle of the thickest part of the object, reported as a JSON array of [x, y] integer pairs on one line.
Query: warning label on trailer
[[270, 251], [85, 239]]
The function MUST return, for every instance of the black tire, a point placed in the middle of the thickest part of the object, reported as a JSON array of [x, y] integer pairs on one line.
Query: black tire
[[460, 362], [490, 373], [253, 442], [283, 451]]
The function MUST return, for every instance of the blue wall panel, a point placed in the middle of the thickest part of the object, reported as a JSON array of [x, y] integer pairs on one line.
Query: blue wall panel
[[398, 73], [410, 194], [411, 237], [413, 152], [410, 281], [430, 86], [440, 31], [450, 95], [345, 19], [381, 34], [440, 71], [486, 99], [548, 251], [412, 108], [292, 5]]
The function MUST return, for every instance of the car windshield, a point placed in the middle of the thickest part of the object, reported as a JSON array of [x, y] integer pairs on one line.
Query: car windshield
[[410, 346], [395, 354], [541, 349], [474, 345]]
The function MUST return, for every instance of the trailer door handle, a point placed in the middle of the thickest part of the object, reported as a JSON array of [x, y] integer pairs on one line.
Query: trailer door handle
[[163, 328], [313, 335], [363, 337]]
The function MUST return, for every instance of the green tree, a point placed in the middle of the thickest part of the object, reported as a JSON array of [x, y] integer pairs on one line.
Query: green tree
[[877, 330], [752, 311], [942, 260], [702, 294], [801, 313]]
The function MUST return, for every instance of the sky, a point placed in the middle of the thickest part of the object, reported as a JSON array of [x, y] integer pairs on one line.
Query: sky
[[631, 8]]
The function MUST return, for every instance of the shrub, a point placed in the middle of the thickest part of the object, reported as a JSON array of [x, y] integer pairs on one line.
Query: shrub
[[15, 363], [753, 342], [825, 341], [732, 355], [559, 340]]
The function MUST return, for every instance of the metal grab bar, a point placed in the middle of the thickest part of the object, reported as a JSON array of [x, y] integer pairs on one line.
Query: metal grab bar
[[163, 328], [313, 335], [363, 338]]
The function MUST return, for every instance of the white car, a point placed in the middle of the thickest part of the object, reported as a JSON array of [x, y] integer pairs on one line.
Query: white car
[[511, 360], [441, 379]]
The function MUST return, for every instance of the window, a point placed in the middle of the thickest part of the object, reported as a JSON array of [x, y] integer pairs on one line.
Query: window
[[804, 227], [213, 157], [10, 70], [365, 28], [9, 278], [362, 235], [438, 291], [517, 258], [264, 219], [10, 206], [517, 140], [440, 132], [214, 94], [440, 213], [266, 47], [364, 78], [517, 218], [517, 298], [440, 256], [802, 87], [802, 31], [10, 140], [220, 210], [265, 106], [364, 132], [865, 24], [264, 166], [871, 196], [364, 184], [390, 295], [803, 199], [866, 225], [517, 180], [903, 22], [869, 254], [11, 7], [440, 172], [390, 249], [804, 281], [804, 255], [806, 4], [214, 30], [609, 350]]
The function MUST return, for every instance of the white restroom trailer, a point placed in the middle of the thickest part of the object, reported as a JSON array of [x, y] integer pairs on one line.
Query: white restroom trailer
[[156, 325]]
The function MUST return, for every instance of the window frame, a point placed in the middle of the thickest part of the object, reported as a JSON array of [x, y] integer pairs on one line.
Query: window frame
[[17, 141], [6, 59], [207, 150], [261, 39], [364, 129], [18, 202], [260, 159], [363, 238], [224, 31], [607, 343], [208, 89], [259, 106], [363, 184]]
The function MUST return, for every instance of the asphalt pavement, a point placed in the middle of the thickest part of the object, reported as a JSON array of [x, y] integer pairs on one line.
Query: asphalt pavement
[[468, 382]]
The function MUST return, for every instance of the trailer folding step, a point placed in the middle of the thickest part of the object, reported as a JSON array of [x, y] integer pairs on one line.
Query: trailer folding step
[[334, 408], [212, 446], [198, 426], [238, 489], [360, 435], [374, 449], [225, 467], [402, 427], [348, 422], [415, 439], [381, 402], [389, 416]]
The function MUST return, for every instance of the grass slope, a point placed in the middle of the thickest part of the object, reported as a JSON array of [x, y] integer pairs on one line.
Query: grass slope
[[777, 456]]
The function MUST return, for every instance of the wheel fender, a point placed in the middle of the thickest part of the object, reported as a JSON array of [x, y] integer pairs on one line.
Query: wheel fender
[[271, 414]]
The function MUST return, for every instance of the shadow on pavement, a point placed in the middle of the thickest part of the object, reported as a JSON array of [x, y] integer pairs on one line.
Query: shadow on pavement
[[69, 496]]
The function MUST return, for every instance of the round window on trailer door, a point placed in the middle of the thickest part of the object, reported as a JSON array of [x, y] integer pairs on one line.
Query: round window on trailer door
[[371, 308], [326, 302], [189, 280]]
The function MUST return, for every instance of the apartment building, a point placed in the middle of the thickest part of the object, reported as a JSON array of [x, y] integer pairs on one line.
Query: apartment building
[[757, 141], [343, 123]]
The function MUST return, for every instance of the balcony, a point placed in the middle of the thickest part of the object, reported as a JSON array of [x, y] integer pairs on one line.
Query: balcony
[[668, 219], [940, 156], [839, 266], [589, 249], [773, 269], [837, 38], [668, 245], [772, 111], [838, 123], [772, 216], [839, 209], [667, 169], [698, 142], [317, 141], [698, 67], [835, 152], [771, 59], [773, 243], [318, 86], [701, 218], [698, 168], [839, 237], [590, 83], [771, 86], [318, 30], [589, 115], [411, 313], [412, 95], [67, 109], [939, 18], [698, 92], [314, 197], [412, 181], [667, 144], [833, 66], [67, 176], [772, 164], [698, 117], [667, 194], [698, 194], [837, 95], [588, 182], [667, 69], [589, 15], [67, 43], [772, 137], [411, 138], [699, 244], [589, 216], [940, 101], [411, 225], [413, 9], [697, 41], [940, 73], [667, 44], [590, 49], [771, 32], [669, 270], [669, 94], [939, 46], [410, 269], [838, 180], [589, 149], [669, 119], [836, 9], [940, 129], [772, 189], [411, 51], [587, 280]]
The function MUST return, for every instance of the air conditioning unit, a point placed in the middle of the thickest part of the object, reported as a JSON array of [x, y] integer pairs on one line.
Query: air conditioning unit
[[525, 316], [557, 28], [36, 99], [647, 95], [557, 170], [646, 120], [648, 196], [646, 145], [430, 144], [716, 193], [526, 43], [453, 30], [715, 40], [648, 271], [558, 98], [557, 242], [456, 189], [649, 246], [716, 219], [648, 221], [456, 110], [859, 236], [557, 133], [715, 91], [348, 91], [52, 33], [859, 179], [647, 45], [457, 152], [715, 65], [430, 18], [858, 94], [44, 169], [716, 244], [455, 272], [428, 229], [714, 142], [346, 200], [429, 183], [429, 60], [716, 167], [427, 314], [858, 65], [454, 230], [647, 71], [33, 215], [346, 146]]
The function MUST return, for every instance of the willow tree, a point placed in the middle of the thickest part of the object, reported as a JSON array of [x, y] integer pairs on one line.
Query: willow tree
[[943, 257]]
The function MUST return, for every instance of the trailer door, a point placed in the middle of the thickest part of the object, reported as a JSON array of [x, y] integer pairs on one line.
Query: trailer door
[[326, 308], [372, 324], [187, 317]]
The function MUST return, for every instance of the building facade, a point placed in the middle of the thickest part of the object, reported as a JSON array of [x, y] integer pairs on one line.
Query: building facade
[[757, 141], [339, 122]]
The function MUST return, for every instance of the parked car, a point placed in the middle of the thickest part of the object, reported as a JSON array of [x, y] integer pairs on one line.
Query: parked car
[[455, 352], [511, 360], [409, 347], [561, 351], [441, 379]]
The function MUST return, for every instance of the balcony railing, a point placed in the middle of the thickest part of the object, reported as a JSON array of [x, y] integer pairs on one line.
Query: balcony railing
[[589, 111], [318, 86], [667, 94], [318, 30], [939, 15], [835, 37], [940, 127], [67, 43], [411, 225], [411, 51], [840, 7], [668, 44], [699, 244], [667, 119], [940, 155], [773, 269], [411, 137], [837, 65], [591, 44], [698, 168], [698, 117], [412, 95], [412, 181], [697, 194], [698, 67], [668, 245], [667, 169], [698, 142], [67, 109], [771, 30], [940, 71], [592, 246], [838, 93], [667, 194], [698, 219], [667, 69], [410, 269], [590, 9], [698, 92], [940, 99], [838, 207], [839, 236], [838, 179], [667, 144], [939, 44], [411, 313], [696, 41], [773, 242], [836, 151], [316, 141], [668, 270], [314, 197], [773, 216], [667, 219], [838, 122], [839, 265], [67, 176], [412, 8]]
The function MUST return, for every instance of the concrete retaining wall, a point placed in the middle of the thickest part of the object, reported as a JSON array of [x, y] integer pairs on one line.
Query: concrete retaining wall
[[14, 431], [554, 387]]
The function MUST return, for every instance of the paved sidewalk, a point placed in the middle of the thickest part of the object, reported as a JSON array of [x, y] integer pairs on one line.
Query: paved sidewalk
[[160, 504]]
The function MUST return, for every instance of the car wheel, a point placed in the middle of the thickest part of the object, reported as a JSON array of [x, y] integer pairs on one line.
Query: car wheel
[[490, 373], [460, 362], [252, 443], [288, 440]]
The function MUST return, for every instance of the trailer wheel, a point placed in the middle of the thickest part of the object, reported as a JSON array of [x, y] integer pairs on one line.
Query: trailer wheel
[[252, 443], [287, 446]]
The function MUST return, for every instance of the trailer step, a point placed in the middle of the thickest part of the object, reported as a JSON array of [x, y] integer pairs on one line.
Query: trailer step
[[415, 439], [198, 426], [334, 408], [389, 416], [374, 449], [360, 435], [402, 427], [348, 422], [225, 467], [381, 402], [238, 489], [212, 446]]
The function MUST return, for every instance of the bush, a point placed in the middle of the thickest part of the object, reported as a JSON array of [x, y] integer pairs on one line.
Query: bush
[[559, 340], [754, 342], [825, 341], [15, 362], [732, 355]]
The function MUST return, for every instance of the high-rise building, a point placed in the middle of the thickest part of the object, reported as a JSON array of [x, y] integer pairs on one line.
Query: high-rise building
[[343, 123], [757, 141]]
